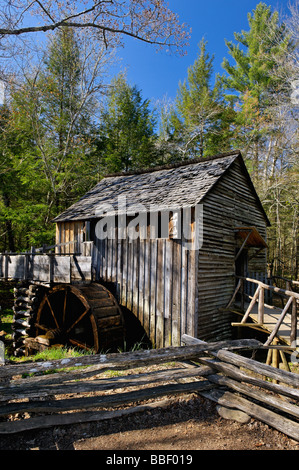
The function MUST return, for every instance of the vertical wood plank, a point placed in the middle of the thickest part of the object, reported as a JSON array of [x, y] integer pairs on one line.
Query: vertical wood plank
[[109, 258], [99, 258], [160, 295], [105, 251], [62, 237], [75, 237], [191, 294], [176, 288], [119, 268], [153, 263], [129, 278], [71, 237], [135, 276], [147, 278], [67, 237], [125, 272], [57, 238], [141, 280], [184, 287], [168, 292]]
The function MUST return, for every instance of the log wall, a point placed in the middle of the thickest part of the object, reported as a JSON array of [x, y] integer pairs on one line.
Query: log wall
[[231, 203]]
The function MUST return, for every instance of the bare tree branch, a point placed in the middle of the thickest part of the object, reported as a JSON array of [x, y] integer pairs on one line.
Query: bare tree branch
[[150, 21]]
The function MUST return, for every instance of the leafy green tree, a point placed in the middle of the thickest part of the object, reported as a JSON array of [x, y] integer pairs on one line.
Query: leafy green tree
[[51, 116], [127, 131]]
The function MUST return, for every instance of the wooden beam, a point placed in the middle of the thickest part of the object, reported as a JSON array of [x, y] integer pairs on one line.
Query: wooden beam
[[243, 244], [12, 427], [129, 359]]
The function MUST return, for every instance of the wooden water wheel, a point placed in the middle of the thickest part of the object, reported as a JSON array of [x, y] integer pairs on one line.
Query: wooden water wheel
[[85, 317]]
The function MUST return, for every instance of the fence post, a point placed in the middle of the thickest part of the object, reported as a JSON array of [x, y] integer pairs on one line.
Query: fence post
[[261, 305], [293, 336]]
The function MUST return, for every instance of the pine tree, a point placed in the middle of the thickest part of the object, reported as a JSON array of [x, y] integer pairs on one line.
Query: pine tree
[[127, 137], [255, 80], [201, 120], [265, 125]]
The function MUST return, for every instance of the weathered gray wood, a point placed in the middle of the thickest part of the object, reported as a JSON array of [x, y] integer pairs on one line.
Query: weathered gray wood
[[59, 385], [147, 287], [16, 266], [46, 268], [61, 269], [160, 294], [262, 369], [230, 204], [80, 268], [176, 300], [168, 293], [259, 395], [282, 424], [259, 368], [128, 359], [12, 427], [237, 374], [153, 292]]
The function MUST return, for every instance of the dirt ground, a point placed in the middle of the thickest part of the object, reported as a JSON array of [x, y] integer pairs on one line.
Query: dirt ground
[[189, 423]]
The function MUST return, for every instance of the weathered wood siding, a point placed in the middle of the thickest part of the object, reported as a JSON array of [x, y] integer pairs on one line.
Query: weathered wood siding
[[46, 268], [156, 280], [231, 203]]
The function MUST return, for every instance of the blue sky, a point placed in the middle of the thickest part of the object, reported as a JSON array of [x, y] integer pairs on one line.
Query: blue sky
[[157, 74]]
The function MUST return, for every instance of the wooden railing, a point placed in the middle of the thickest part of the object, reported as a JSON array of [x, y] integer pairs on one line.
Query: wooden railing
[[290, 284], [292, 298], [45, 268]]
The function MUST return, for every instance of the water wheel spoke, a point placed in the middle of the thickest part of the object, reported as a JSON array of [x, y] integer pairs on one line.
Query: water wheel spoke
[[51, 310], [78, 320], [79, 344], [41, 327], [64, 307]]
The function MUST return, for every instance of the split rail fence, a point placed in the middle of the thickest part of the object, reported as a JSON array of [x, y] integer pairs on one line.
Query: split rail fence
[[211, 370]]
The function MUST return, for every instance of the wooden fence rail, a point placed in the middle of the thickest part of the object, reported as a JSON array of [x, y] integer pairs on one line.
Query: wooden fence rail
[[213, 370]]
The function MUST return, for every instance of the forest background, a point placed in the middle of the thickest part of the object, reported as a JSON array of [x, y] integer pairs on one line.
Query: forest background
[[63, 126]]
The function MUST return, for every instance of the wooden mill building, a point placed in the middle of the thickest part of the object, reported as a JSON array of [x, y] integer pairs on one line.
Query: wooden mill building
[[178, 280]]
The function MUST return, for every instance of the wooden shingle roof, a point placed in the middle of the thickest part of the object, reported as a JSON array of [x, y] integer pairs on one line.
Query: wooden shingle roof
[[180, 185]]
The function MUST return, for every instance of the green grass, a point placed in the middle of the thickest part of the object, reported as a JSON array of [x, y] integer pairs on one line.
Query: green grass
[[6, 321], [51, 355]]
